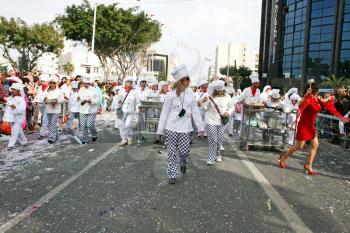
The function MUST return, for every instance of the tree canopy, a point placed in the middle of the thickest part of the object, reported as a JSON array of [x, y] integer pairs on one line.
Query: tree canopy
[[121, 35], [29, 42], [239, 75]]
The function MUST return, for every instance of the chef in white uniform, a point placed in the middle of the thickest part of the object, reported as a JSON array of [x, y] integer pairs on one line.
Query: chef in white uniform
[[251, 94], [73, 106], [175, 121], [53, 97], [128, 110], [39, 99], [89, 103], [265, 95], [15, 113], [202, 93], [294, 106]]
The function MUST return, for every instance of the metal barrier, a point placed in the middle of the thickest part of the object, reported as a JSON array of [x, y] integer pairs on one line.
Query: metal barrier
[[333, 130]]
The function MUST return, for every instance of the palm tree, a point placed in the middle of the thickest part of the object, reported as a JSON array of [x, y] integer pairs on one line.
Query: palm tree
[[336, 82], [68, 68]]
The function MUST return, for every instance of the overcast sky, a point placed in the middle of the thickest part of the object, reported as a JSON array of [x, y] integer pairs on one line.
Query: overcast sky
[[192, 28]]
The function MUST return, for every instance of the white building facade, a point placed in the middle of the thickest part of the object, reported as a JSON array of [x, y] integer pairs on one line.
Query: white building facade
[[235, 54]]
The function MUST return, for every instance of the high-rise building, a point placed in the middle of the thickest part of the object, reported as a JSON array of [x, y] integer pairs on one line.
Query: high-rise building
[[304, 39], [234, 54]]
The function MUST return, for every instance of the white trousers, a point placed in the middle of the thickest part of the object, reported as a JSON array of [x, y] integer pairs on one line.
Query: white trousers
[[17, 134], [44, 130], [125, 128]]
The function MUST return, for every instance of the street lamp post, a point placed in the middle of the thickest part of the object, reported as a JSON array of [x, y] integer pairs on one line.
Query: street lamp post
[[94, 29]]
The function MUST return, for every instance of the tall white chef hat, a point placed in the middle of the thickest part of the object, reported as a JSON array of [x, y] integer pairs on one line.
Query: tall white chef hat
[[193, 83], [275, 94], [254, 78], [130, 79], [141, 79], [75, 84], [295, 96], [180, 72], [267, 87], [202, 82]]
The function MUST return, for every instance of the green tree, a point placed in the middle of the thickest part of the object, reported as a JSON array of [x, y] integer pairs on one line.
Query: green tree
[[68, 68], [121, 35], [239, 76], [335, 82], [29, 42]]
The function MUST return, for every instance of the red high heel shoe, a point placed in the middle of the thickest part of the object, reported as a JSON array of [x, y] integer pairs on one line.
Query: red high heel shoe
[[308, 171], [281, 164]]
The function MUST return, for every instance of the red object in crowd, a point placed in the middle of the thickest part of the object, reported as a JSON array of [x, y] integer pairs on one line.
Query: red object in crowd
[[5, 128], [308, 111]]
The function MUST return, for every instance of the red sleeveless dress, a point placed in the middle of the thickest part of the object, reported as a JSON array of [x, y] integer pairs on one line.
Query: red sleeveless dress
[[308, 111]]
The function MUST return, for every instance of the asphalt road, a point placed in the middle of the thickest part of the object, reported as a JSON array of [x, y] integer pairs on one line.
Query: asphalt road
[[102, 187]]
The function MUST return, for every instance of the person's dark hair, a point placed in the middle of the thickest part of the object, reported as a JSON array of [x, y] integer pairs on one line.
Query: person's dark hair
[[314, 88], [215, 93]]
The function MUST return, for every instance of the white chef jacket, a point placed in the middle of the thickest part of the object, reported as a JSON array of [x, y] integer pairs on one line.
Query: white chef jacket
[[142, 94], [163, 96], [91, 94], [224, 103], [153, 94], [65, 90], [131, 103], [53, 95], [200, 96], [169, 119], [39, 98], [247, 95], [15, 114], [73, 102]]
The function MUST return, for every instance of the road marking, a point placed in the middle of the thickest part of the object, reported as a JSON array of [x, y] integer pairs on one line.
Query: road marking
[[45, 199], [292, 218]]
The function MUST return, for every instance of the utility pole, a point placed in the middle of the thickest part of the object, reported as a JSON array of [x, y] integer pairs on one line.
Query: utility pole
[[93, 30], [228, 60]]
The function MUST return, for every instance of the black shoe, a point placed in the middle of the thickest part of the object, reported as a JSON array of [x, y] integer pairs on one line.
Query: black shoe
[[230, 135], [94, 139], [84, 143], [172, 181], [183, 169], [51, 142]]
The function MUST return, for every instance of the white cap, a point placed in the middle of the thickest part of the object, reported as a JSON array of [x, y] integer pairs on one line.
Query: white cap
[[267, 87], [141, 79], [295, 96], [130, 78], [17, 86], [275, 94], [180, 72], [254, 78], [292, 90], [87, 80], [75, 84], [217, 85], [193, 83], [116, 88], [53, 78], [44, 77]]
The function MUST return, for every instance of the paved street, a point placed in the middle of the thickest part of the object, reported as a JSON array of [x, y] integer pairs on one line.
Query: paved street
[[102, 187]]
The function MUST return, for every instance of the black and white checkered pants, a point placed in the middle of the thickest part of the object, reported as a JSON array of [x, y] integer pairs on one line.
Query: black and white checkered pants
[[87, 123], [229, 125], [177, 143], [52, 119], [215, 139]]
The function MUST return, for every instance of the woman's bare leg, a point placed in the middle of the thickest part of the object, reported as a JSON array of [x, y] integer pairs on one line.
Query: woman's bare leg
[[312, 152], [298, 145]]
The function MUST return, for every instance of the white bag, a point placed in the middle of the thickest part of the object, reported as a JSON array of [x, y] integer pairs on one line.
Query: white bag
[[8, 115]]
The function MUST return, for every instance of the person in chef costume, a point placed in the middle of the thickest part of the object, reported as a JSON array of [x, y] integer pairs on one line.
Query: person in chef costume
[[114, 105], [176, 123], [217, 105], [89, 99], [39, 100], [265, 95], [252, 94], [275, 100], [153, 92], [73, 106], [290, 92], [53, 97], [128, 110], [142, 92], [238, 114], [294, 106], [202, 92], [15, 113], [163, 90]]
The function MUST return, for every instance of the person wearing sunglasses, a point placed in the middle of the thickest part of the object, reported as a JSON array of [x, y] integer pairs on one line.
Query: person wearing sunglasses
[[53, 98], [176, 121]]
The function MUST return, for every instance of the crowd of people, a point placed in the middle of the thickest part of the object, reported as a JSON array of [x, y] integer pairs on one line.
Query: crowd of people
[[207, 109]]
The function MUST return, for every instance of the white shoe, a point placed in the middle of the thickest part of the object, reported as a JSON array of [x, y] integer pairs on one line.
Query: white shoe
[[222, 148], [209, 162], [123, 143], [218, 159], [129, 142]]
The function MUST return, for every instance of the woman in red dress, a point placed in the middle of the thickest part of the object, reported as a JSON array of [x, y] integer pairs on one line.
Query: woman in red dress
[[309, 107]]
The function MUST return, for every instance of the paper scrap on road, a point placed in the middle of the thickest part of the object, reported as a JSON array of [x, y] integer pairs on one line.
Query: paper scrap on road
[[91, 150]]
